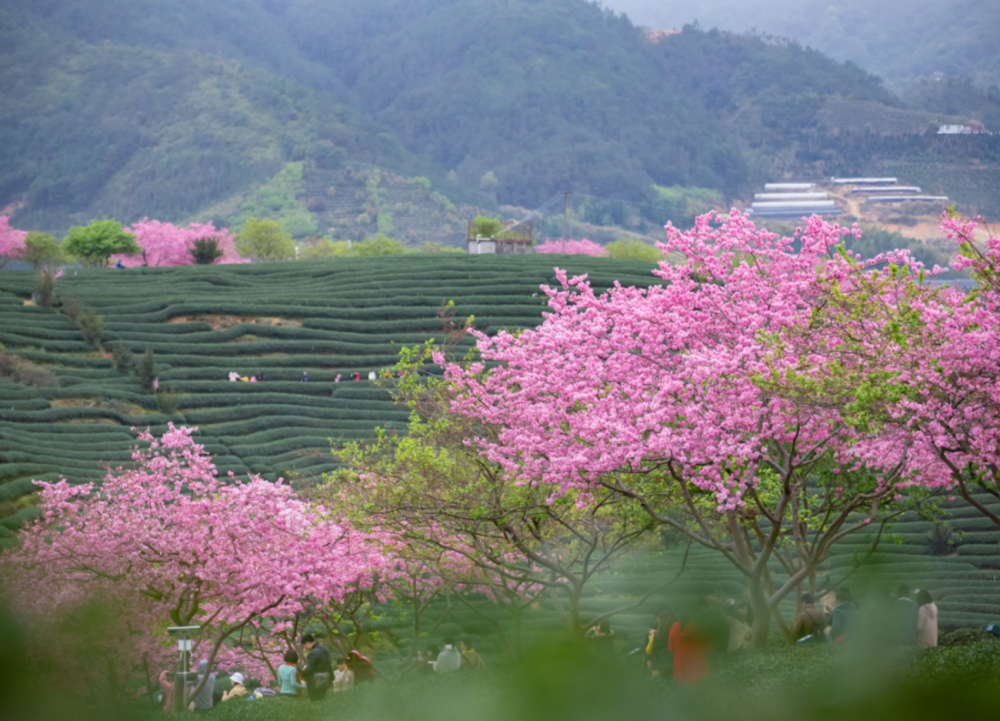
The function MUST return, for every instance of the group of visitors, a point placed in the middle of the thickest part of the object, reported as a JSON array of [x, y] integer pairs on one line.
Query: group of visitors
[[311, 679], [450, 658], [679, 646], [912, 617]]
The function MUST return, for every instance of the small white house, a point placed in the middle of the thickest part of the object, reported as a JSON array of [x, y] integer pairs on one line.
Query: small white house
[[954, 130]]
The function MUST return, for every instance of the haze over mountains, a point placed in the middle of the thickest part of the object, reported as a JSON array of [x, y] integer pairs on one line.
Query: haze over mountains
[[179, 109], [902, 42]]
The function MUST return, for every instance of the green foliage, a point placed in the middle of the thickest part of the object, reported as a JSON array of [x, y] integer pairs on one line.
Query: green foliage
[[264, 241], [93, 244], [206, 251], [146, 369], [166, 402], [45, 288], [91, 326], [278, 199], [71, 306], [41, 249], [379, 245], [633, 249], [325, 248], [431, 247], [122, 358], [486, 226]]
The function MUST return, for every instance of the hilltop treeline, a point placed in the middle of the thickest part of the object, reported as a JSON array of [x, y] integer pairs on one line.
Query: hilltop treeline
[[545, 96]]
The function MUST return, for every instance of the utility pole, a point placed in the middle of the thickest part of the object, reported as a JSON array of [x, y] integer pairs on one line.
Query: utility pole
[[565, 193]]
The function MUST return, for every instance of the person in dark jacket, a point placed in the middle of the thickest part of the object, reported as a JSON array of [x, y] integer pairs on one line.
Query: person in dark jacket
[[907, 614], [318, 672], [844, 624]]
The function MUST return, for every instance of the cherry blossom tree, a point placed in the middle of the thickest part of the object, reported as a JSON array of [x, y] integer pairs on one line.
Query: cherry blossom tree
[[920, 358], [174, 545], [573, 247], [166, 244], [661, 396], [11, 241], [434, 490]]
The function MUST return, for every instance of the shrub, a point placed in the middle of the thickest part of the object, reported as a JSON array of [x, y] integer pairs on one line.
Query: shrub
[[41, 249], [166, 403], [72, 307], [122, 358], [93, 244], [45, 288], [486, 227], [18, 370], [206, 251], [633, 249], [145, 368], [91, 326], [264, 240]]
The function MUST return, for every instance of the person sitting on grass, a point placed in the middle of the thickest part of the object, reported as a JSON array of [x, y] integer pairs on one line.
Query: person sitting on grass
[[343, 677], [843, 627], [361, 666], [238, 688], [425, 665], [289, 682], [471, 659], [448, 660], [809, 621]]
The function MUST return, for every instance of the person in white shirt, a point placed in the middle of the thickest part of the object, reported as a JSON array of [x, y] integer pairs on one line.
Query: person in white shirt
[[343, 677], [448, 660]]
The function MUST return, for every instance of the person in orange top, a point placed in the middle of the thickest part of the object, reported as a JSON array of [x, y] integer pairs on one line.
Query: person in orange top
[[690, 646]]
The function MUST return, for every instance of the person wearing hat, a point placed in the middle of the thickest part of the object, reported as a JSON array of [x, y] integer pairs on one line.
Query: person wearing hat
[[238, 688]]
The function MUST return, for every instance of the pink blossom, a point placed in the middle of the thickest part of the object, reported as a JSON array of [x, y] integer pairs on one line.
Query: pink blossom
[[572, 247]]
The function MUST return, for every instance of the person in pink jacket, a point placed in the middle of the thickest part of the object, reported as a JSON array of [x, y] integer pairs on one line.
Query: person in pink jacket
[[927, 620]]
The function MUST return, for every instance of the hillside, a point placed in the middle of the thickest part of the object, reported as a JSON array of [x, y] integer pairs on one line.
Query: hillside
[[900, 43], [326, 318], [179, 110]]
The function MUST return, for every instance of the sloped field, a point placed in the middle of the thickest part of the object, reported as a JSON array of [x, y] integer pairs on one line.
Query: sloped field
[[326, 318]]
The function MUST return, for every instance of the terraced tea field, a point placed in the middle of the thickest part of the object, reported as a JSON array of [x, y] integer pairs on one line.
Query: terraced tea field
[[326, 318], [347, 316]]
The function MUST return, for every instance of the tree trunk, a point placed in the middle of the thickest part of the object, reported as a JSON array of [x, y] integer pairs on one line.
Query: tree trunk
[[574, 612], [761, 614]]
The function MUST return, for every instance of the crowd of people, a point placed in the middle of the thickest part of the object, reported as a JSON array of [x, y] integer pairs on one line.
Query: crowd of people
[[311, 678], [679, 646]]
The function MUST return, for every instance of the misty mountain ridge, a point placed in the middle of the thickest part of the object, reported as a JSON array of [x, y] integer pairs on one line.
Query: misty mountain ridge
[[180, 110]]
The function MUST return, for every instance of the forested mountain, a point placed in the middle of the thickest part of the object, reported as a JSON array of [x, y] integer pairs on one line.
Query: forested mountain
[[901, 42], [177, 108]]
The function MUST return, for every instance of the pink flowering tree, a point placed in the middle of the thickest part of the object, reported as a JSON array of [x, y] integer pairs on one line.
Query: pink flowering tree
[[573, 247], [920, 359], [174, 545], [661, 396], [166, 244], [434, 490], [11, 241]]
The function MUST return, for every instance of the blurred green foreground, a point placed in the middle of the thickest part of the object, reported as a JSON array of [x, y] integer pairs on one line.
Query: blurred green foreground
[[567, 680]]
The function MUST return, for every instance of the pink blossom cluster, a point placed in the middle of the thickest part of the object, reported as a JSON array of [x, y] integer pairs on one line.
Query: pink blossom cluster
[[171, 544], [11, 241], [166, 244], [572, 247], [670, 377]]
